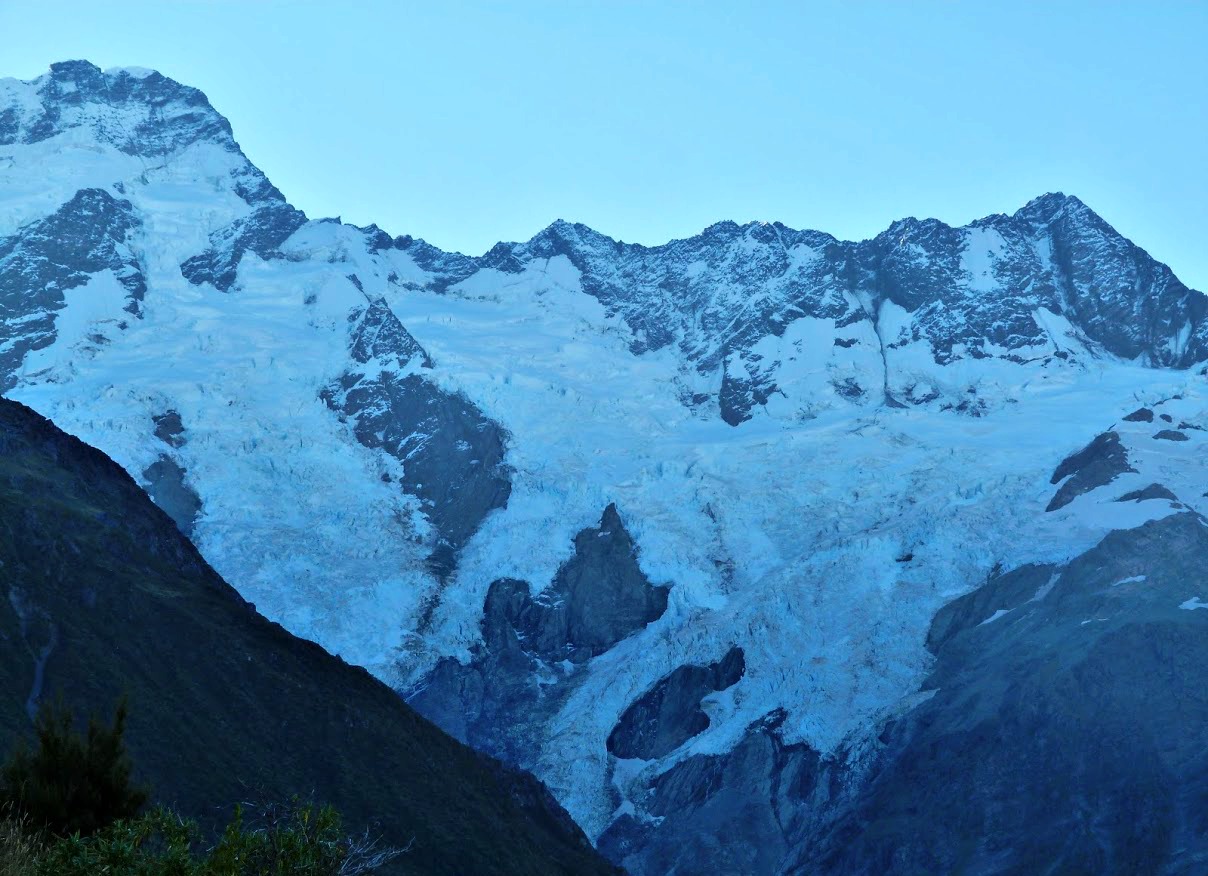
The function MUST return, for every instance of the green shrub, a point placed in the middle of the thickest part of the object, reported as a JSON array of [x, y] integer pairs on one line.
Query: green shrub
[[155, 844], [295, 839], [70, 808], [71, 782]]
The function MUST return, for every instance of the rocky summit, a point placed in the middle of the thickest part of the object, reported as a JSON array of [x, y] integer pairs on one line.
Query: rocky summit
[[767, 552]]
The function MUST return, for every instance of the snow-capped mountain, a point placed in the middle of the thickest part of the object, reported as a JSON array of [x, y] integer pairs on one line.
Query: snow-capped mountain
[[669, 526]]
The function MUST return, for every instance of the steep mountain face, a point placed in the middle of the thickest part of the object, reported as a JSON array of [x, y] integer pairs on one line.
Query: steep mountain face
[[1069, 691], [672, 527], [1061, 727], [104, 597], [88, 235]]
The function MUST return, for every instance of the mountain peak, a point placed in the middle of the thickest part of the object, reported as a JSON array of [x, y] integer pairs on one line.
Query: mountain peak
[[912, 224], [566, 238], [562, 231], [139, 111], [1049, 206], [75, 71]]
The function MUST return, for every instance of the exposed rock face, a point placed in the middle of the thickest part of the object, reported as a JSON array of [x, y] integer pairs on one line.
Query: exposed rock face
[[141, 114], [1141, 415], [598, 597], [733, 813], [670, 714], [1153, 491], [1001, 593], [169, 429], [531, 645], [378, 334], [261, 232], [1170, 435], [452, 457], [739, 394], [164, 481], [166, 114], [1099, 463], [44, 260]]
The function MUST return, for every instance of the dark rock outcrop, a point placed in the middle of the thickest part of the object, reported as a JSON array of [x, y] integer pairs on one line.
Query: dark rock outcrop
[[533, 644], [164, 481], [670, 713], [1170, 435], [1003, 593], [452, 456], [261, 232], [732, 813], [169, 429], [1140, 415], [378, 334], [1097, 464], [596, 599], [1153, 491]]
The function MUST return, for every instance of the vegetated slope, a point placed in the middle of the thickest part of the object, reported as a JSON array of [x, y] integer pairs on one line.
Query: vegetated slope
[[102, 596]]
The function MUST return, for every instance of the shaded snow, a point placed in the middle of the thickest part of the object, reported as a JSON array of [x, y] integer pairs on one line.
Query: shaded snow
[[92, 316], [982, 246], [992, 618]]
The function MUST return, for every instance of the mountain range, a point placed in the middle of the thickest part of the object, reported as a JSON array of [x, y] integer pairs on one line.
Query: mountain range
[[765, 551]]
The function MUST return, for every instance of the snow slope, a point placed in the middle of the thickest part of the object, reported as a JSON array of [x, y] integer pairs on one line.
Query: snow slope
[[814, 444]]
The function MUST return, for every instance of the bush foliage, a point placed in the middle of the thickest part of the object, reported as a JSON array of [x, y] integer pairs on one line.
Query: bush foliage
[[72, 782], [295, 839], [70, 807]]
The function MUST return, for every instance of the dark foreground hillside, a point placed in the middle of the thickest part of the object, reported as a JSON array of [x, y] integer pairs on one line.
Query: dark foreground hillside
[[100, 595]]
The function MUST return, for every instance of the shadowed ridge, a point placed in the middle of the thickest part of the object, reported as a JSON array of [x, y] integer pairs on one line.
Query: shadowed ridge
[[103, 596]]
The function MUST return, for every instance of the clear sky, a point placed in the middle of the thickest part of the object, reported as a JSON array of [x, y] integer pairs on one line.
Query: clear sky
[[469, 122]]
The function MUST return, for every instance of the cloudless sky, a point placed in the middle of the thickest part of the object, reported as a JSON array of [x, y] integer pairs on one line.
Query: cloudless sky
[[470, 122]]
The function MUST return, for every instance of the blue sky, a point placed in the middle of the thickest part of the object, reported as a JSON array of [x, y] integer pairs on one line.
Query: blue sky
[[466, 123]]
